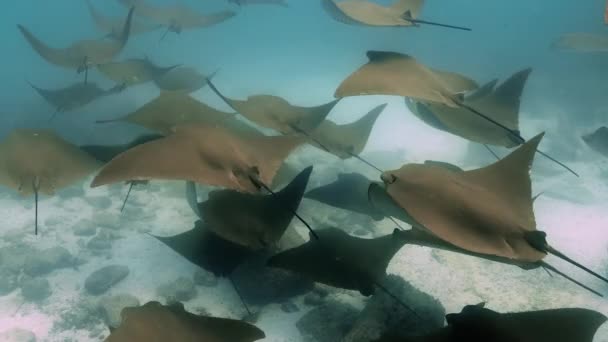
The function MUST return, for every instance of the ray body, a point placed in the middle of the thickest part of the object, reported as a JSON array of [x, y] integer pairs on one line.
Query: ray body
[[476, 323], [39, 161], [184, 79], [598, 140], [134, 71], [178, 17], [105, 153], [113, 26], [75, 96], [281, 3], [582, 42], [154, 322], [171, 109], [276, 113], [340, 260], [347, 140], [204, 154], [392, 73], [254, 221], [81, 54], [202, 247], [369, 13], [501, 104], [485, 212], [348, 192]]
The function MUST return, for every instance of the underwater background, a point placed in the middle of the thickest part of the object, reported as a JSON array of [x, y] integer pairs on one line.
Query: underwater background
[[301, 54]]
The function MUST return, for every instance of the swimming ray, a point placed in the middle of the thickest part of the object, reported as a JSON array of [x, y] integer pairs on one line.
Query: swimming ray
[[368, 13], [393, 73], [105, 153], [112, 26], [581, 42], [134, 71], [156, 322], [39, 161], [486, 212], [501, 104], [186, 79], [477, 323], [347, 140], [205, 154], [598, 140], [202, 247], [178, 17], [340, 260], [170, 109], [276, 113], [82, 54], [254, 221], [75, 96], [348, 192]]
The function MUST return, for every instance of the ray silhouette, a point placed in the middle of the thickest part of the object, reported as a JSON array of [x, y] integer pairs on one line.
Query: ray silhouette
[[276, 113], [171, 109], [598, 140], [75, 96], [185, 79], [39, 161], [348, 192], [581, 42], [477, 323], [134, 71], [82, 54], [112, 26], [485, 212]]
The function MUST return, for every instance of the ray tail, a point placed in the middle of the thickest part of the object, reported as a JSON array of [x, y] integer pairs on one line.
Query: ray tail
[[555, 270], [562, 256], [238, 293], [419, 21], [124, 202]]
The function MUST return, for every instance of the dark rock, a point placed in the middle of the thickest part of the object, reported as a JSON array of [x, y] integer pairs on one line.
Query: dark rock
[[313, 299], [99, 202], [45, 261], [104, 278], [289, 307], [205, 278], [180, 290], [85, 228], [98, 243], [14, 257], [111, 307], [327, 323], [35, 289], [8, 281], [384, 314]]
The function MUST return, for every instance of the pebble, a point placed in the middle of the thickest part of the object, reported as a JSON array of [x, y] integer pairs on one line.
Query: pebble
[[104, 278], [35, 289]]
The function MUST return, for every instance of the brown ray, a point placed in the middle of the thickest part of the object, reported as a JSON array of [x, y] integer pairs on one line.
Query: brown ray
[[156, 322], [476, 323], [501, 104], [112, 26], [39, 161], [340, 260], [276, 113], [134, 71], [170, 109], [486, 212], [177, 17], [205, 154], [84, 53], [598, 140], [184, 79], [393, 73], [251, 220], [373, 14], [75, 96], [581, 42], [348, 140]]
